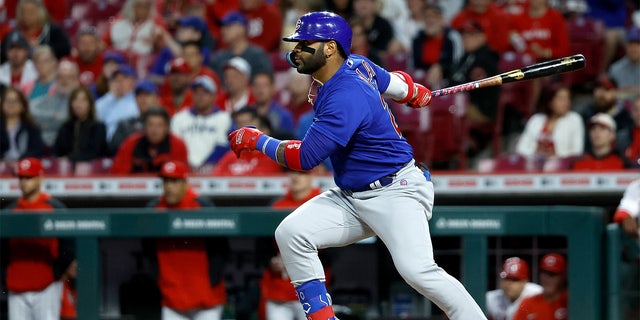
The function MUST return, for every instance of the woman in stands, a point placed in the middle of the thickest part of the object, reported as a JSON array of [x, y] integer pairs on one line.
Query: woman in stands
[[19, 135], [82, 137], [555, 131]]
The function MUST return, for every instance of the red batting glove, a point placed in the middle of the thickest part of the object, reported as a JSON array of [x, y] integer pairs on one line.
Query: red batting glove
[[421, 97], [244, 139]]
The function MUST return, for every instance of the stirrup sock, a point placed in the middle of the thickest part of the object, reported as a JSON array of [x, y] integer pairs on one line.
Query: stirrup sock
[[315, 300]]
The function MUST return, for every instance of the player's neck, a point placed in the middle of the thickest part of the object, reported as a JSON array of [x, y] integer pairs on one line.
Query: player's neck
[[329, 69]]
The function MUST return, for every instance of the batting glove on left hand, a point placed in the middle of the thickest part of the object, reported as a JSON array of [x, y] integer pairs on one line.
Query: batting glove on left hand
[[421, 96], [244, 139]]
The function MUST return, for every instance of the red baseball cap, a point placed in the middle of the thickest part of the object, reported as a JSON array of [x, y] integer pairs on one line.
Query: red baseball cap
[[515, 268], [178, 65], [174, 170], [30, 167], [553, 262]]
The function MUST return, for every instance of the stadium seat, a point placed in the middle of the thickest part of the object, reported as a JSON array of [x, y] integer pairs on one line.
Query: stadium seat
[[101, 166], [556, 164], [516, 162], [442, 136], [586, 36], [397, 61]]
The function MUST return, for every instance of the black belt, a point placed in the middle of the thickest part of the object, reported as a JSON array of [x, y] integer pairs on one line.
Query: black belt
[[382, 182]]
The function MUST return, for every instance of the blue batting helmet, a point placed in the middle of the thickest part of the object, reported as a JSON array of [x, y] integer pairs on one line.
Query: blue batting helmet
[[322, 25]]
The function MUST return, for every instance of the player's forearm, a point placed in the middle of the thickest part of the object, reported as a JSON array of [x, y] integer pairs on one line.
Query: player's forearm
[[398, 88], [294, 154]]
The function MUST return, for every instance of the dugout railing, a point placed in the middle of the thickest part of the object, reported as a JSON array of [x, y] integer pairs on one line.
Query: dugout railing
[[584, 228]]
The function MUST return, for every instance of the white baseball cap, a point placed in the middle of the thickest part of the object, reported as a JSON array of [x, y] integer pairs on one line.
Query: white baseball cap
[[239, 64], [605, 120]]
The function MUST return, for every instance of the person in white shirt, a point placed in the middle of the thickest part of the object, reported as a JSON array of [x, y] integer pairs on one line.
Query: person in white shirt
[[203, 127], [514, 284], [120, 102], [18, 70]]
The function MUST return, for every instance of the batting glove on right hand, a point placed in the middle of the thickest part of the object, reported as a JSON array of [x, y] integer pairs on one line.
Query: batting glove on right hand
[[421, 97], [244, 138]]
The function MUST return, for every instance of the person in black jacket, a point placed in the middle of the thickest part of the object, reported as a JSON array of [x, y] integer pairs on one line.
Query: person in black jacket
[[32, 20], [82, 137], [19, 135]]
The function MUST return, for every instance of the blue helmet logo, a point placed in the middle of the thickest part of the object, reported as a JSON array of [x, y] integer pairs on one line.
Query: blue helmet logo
[[322, 25]]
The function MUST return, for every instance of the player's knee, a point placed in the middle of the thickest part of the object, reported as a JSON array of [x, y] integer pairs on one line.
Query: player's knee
[[285, 233], [414, 273]]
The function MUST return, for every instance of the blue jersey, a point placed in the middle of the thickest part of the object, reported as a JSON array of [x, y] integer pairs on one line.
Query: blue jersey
[[350, 111]]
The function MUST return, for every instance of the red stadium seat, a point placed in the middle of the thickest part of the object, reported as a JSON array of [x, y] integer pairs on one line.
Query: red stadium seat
[[442, 135], [517, 162], [586, 36]]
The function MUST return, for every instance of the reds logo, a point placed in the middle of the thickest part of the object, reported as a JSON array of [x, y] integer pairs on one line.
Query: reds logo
[[170, 167], [25, 165]]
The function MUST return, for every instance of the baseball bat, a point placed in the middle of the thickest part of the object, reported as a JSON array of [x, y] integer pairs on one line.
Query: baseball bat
[[538, 70]]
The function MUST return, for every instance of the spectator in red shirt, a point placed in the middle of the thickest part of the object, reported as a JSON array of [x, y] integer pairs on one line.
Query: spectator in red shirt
[[265, 24], [543, 30], [174, 92], [146, 97], [249, 163], [189, 268], [89, 56], [35, 264], [146, 151], [551, 304], [236, 77], [602, 156], [633, 151], [495, 22]]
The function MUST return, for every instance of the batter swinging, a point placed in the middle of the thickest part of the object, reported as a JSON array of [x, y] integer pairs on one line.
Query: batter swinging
[[379, 189]]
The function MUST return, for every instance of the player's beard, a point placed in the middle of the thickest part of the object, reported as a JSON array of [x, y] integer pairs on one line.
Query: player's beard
[[312, 64]]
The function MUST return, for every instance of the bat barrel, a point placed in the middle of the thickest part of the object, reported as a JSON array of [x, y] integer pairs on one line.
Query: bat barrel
[[544, 69]]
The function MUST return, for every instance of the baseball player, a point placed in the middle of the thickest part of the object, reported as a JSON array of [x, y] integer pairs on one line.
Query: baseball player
[[189, 269], [380, 191], [629, 209], [514, 286], [551, 303], [35, 264]]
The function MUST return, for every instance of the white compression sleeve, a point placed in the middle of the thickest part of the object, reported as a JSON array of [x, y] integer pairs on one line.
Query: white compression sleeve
[[398, 88]]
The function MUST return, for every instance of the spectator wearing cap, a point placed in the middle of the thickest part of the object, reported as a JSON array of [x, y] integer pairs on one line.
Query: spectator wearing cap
[[602, 155], [236, 44], [119, 103], [46, 66], [543, 30], [436, 47], [551, 303], [174, 92], [89, 55], [265, 23], [248, 163], [626, 71], [204, 126], [606, 100], [514, 285], [32, 22], [18, 69], [20, 137], [264, 90], [146, 97], [189, 29], [236, 78], [478, 61], [147, 151], [189, 269], [193, 56], [110, 62], [82, 138], [50, 111], [496, 23], [34, 265]]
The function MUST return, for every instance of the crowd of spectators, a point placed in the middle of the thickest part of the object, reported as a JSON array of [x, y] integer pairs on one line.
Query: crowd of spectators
[[85, 80]]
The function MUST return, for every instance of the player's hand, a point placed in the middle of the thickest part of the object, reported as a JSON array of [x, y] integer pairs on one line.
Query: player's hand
[[630, 226], [421, 96], [244, 139]]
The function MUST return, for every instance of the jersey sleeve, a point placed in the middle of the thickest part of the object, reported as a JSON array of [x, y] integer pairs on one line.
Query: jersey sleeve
[[629, 205]]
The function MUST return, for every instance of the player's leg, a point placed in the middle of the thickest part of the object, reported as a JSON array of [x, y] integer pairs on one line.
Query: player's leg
[[19, 307], [47, 304], [214, 313], [398, 214], [325, 221]]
